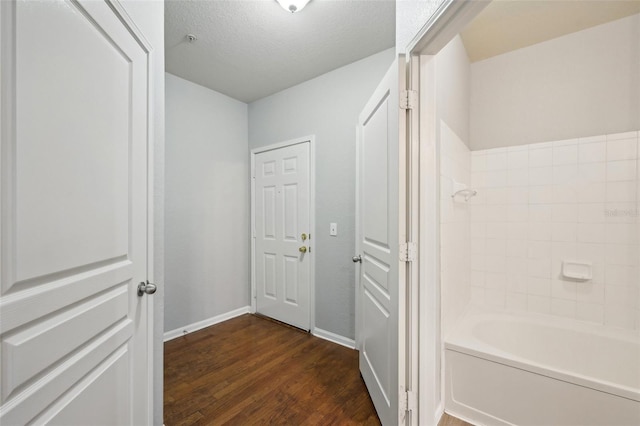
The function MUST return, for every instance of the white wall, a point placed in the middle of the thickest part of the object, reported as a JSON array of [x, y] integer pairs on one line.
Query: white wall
[[455, 164], [564, 185], [207, 204], [585, 83], [453, 76], [452, 79], [452, 70], [149, 17], [541, 204], [327, 107]]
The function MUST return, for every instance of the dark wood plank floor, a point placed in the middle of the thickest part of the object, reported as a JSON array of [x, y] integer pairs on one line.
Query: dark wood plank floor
[[250, 370]]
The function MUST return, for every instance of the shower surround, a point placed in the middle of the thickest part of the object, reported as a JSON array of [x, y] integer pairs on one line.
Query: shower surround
[[549, 349], [541, 204]]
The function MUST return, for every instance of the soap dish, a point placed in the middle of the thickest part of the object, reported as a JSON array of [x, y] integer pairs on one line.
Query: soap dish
[[577, 270]]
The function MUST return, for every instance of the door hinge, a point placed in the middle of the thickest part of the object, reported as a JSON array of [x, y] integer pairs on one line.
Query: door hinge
[[408, 251], [408, 99], [410, 402]]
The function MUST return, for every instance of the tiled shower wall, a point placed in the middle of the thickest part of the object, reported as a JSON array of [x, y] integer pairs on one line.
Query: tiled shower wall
[[540, 204], [455, 164]]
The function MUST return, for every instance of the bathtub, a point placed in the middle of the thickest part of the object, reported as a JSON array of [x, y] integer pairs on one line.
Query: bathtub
[[525, 369]]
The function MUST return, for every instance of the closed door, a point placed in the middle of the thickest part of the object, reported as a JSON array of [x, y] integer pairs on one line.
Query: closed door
[[282, 239], [74, 337], [380, 295]]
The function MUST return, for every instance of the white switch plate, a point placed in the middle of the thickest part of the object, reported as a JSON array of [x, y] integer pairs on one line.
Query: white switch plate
[[333, 229]]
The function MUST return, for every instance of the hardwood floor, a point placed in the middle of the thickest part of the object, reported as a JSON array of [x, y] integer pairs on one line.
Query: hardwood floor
[[448, 420], [250, 370]]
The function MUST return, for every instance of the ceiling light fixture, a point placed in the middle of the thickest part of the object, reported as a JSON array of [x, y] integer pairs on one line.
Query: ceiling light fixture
[[293, 6]]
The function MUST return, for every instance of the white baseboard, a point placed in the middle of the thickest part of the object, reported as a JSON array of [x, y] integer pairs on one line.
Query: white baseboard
[[439, 413], [335, 338], [169, 335]]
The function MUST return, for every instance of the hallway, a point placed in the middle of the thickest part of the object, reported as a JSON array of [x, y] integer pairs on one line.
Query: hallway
[[250, 370]]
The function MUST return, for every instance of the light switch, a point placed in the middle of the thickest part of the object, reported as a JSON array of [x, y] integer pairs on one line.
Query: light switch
[[333, 229]]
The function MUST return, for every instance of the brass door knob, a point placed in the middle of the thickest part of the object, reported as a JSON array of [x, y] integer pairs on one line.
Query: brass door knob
[[303, 249]]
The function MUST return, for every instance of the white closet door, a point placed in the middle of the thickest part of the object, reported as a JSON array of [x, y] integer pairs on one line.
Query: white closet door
[[381, 294], [74, 338]]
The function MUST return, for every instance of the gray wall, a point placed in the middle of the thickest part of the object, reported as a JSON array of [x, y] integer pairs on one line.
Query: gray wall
[[327, 107], [582, 84], [207, 204], [149, 17]]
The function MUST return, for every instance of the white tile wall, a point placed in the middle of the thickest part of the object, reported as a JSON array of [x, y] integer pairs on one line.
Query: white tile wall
[[456, 242], [540, 204]]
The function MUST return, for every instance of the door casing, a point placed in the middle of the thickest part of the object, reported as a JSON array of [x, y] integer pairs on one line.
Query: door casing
[[426, 367]]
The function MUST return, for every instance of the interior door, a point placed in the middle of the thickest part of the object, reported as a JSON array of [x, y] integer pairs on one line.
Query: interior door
[[381, 292], [282, 238], [73, 333]]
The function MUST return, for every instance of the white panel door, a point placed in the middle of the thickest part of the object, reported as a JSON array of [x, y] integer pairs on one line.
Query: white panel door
[[281, 205], [380, 298], [73, 331]]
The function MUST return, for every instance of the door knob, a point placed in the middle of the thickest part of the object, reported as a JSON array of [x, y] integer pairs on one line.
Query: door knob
[[357, 259], [148, 288], [303, 249]]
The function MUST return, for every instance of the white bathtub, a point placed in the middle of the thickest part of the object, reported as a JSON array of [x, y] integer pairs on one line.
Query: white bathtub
[[526, 369]]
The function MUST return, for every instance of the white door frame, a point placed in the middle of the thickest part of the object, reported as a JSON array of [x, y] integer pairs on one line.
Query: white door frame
[[312, 221], [412, 189], [425, 353]]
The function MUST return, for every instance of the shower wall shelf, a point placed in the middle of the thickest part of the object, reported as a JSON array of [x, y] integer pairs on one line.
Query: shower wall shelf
[[581, 271], [460, 189]]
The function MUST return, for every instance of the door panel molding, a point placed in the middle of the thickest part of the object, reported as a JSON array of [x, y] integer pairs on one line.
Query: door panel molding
[[62, 334], [97, 383], [18, 309], [22, 408]]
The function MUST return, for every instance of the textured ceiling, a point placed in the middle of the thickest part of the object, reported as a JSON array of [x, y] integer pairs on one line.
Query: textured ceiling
[[249, 49], [507, 25]]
